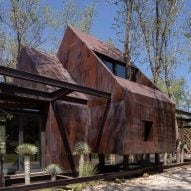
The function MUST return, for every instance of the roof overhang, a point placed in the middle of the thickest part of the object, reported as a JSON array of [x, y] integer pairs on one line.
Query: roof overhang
[[61, 92]]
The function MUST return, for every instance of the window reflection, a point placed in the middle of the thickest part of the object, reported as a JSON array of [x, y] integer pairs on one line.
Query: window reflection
[[117, 68], [120, 71], [109, 65]]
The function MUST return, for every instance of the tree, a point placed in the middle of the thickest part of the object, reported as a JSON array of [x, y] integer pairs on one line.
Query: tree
[[187, 101], [27, 150], [126, 26], [72, 14], [24, 22], [87, 18], [155, 23], [177, 91], [157, 20], [187, 34]]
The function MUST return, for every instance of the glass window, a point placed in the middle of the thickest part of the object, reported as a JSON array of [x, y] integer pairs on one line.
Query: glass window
[[120, 71], [109, 65], [11, 160], [21, 128], [31, 134]]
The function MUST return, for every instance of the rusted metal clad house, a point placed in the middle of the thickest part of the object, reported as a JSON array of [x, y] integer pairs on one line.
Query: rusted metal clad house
[[140, 118], [84, 97]]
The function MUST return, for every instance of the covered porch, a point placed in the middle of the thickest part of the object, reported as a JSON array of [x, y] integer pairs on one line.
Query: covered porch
[[24, 114]]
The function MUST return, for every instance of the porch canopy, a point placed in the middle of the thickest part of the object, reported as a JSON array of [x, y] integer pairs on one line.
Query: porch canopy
[[61, 89], [183, 116]]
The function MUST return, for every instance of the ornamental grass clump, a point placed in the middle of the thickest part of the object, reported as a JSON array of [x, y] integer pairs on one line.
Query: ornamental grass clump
[[27, 150], [53, 170], [85, 169]]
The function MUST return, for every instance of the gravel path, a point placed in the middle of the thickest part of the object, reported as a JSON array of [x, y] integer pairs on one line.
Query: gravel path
[[178, 178]]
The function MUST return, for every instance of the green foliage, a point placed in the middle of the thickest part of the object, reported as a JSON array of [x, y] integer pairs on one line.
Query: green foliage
[[177, 90], [26, 22], [75, 16], [169, 158], [26, 149], [82, 148], [53, 169], [87, 18], [87, 169], [77, 187]]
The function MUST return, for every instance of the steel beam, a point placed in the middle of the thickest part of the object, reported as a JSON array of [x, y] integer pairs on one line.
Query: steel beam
[[16, 90], [59, 94], [52, 82], [102, 125], [19, 92]]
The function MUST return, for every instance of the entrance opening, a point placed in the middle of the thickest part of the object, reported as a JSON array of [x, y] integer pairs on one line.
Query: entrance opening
[[20, 128], [147, 130]]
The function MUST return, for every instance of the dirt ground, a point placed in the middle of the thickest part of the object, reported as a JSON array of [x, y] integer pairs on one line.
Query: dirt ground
[[178, 178]]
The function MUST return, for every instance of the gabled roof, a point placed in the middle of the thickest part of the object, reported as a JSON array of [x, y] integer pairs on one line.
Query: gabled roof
[[109, 51], [46, 65], [99, 46], [140, 89]]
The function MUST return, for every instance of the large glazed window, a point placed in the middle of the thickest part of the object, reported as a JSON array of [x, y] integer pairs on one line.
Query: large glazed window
[[20, 128], [116, 67], [120, 71], [109, 65]]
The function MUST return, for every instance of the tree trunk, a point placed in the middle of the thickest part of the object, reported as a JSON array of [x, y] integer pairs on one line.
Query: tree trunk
[[182, 156], [127, 55], [27, 169], [178, 153], [156, 70], [178, 143]]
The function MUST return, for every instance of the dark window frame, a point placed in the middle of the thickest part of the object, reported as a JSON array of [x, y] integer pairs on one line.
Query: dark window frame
[[147, 127], [115, 63]]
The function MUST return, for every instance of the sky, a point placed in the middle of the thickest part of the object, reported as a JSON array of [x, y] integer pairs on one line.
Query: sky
[[102, 29]]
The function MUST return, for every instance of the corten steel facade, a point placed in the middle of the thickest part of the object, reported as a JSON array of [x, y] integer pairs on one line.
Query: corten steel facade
[[134, 105], [137, 119]]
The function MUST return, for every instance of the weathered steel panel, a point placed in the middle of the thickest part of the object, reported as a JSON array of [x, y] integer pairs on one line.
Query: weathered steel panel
[[85, 68], [74, 120], [131, 105]]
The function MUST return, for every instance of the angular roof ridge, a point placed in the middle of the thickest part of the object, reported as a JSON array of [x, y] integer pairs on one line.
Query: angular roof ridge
[[143, 89], [98, 45]]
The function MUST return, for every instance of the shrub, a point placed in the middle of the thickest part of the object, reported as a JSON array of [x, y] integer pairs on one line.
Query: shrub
[[26, 149], [87, 169], [53, 169]]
